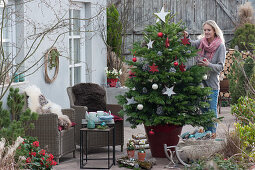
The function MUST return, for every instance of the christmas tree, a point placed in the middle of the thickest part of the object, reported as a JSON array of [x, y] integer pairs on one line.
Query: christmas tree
[[162, 90]]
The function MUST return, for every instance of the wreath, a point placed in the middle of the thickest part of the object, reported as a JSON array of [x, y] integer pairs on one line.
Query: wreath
[[51, 60]]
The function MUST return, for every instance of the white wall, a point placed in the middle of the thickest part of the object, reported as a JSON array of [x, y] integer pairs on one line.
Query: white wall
[[43, 16]]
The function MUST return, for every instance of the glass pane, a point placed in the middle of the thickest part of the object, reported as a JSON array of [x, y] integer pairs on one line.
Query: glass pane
[[70, 51], [71, 77], [76, 50], [76, 22], [6, 23], [6, 48], [70, 22], [77, 75]]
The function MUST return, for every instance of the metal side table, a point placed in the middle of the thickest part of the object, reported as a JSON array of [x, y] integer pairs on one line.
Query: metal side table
[[86, 131]]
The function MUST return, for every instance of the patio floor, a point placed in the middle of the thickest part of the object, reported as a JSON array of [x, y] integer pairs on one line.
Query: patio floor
[[69, 163]]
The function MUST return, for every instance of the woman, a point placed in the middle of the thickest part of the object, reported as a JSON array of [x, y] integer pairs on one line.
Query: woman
[[212, 54]]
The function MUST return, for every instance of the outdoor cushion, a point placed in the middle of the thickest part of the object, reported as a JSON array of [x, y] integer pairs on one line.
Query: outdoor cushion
[[90, 95]]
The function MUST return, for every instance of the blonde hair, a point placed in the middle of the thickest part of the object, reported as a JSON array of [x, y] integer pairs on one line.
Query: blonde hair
[[216, 28]]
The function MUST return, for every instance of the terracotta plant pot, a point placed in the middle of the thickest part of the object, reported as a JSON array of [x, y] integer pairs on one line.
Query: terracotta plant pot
[[141, 156], [131, 153], [112, 82], [163, 134]]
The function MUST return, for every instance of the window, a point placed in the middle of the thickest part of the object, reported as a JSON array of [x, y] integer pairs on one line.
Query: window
[[76, 44], [8, 38]]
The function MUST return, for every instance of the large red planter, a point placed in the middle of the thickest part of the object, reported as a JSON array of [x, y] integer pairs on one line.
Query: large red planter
[[163, 134]]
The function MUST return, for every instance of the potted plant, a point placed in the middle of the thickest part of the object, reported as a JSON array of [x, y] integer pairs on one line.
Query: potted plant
[[112, 76], [164, 94], [130, 148], [141, 154]]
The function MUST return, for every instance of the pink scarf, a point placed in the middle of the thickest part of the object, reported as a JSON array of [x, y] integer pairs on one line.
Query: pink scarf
[[210, 49]]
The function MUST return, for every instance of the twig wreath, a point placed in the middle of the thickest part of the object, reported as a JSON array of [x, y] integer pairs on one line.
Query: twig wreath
[[51, 60]]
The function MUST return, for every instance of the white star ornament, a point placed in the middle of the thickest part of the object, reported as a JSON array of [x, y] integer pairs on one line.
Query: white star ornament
[[162, 15], [169, 91], [131, 101], [150, 44]]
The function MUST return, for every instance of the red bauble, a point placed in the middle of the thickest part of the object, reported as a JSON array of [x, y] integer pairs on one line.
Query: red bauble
[[176, 63], [151, 132], [134, 59], [160, 34]]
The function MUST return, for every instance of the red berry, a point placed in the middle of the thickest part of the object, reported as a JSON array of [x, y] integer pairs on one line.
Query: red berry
[[160, 34], [176, 63], [204, 59], [134, 59], [151, 132]]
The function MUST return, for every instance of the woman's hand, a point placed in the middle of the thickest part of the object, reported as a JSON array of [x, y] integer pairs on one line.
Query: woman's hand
[[203, 62], [185, 34]]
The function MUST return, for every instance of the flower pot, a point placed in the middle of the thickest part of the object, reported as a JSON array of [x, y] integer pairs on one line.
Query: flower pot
[[131, 153], [163, 134], [112, 82], [141, 156]]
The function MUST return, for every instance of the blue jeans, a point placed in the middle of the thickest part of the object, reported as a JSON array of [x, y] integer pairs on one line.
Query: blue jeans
[[213, 106]]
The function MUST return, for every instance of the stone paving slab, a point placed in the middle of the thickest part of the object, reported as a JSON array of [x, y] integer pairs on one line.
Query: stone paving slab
[[69, 163]]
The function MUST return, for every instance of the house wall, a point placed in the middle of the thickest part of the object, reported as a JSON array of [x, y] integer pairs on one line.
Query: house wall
[[43, 16]]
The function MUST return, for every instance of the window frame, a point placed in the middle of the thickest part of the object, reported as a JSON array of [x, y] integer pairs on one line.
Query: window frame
[[72, 37]]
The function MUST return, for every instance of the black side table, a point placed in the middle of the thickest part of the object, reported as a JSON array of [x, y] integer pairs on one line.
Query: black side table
[[86, 130]]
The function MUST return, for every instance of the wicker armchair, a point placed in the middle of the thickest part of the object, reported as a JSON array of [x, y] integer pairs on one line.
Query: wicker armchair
[[96, 140], [56, 142]]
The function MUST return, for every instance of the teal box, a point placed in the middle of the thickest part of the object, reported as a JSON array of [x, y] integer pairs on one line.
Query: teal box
[[16, 78]]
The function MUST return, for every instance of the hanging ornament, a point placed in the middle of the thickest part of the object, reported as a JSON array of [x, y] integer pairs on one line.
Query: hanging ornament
[[182, 67], [159, 110], [153, 68], [154, 86], [188, 51], [140, 107], [167, 42], [160, 34], [176, 63], [185, 41], [146, 67], [205, 77], [159, 53], [169, 91], [131, 74], [172, 70], [151, 132], [145, 90], [162, 14], [134, 59], [150, 44], [131, 101]]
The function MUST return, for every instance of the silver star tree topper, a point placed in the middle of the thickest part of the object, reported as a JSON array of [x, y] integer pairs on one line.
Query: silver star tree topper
[[162, 14]]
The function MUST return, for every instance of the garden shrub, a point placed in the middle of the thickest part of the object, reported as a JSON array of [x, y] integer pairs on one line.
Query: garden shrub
[[244, 110], [244, 37], [114, 38], [240, 83], [247, 140], [15, 121]]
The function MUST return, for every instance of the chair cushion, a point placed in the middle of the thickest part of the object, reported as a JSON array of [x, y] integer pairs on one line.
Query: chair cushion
[[90, 95]]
